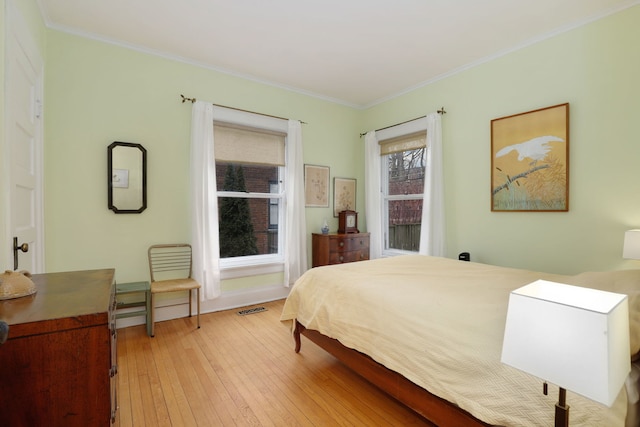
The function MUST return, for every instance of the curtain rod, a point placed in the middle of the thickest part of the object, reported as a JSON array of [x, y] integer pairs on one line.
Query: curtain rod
[[192, 100], [441, 111]]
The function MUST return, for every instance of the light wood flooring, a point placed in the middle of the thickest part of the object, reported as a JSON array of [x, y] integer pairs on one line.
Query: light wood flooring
[[241, 371]]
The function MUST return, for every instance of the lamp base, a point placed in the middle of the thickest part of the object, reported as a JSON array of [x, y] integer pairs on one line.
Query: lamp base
[[562, 410]]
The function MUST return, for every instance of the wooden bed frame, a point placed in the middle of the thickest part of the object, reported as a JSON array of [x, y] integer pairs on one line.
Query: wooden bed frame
[[431, 407]]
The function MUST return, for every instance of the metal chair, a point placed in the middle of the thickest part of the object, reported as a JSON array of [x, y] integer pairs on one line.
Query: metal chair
[[170, 270]]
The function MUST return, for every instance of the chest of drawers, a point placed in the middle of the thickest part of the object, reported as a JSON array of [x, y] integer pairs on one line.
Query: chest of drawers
[[58, 367], [339, 248]]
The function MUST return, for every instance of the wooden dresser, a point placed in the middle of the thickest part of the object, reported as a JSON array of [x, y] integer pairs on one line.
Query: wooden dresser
[[58, 366], [336, 248]]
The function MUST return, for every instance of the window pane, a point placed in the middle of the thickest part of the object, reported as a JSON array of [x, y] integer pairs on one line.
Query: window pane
[[244, 227], [251, 178], [274, 206], [405, 217], [248, 225], [406, 172]]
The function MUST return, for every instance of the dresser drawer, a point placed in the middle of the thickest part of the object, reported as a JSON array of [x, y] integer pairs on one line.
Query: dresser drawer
[[353, 256], [347, 244]]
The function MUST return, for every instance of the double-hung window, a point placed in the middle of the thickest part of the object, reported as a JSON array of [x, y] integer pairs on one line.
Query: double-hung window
[[403, 175], [250, 171]]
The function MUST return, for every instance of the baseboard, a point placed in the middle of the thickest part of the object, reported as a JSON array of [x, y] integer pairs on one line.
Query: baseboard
[[178, 307]]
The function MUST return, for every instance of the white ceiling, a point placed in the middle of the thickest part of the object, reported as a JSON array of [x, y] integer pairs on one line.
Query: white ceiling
[[356, 52]]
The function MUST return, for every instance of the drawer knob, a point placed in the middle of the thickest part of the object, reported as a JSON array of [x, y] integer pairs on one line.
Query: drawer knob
[[341, 258], [341, 244]]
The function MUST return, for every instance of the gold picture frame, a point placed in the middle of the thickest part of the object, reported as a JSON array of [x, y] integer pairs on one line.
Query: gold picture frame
[[530, 161], [344, 195], [316, 186]]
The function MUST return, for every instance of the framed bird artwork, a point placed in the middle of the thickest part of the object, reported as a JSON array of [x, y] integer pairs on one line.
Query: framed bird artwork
[[530, 161]]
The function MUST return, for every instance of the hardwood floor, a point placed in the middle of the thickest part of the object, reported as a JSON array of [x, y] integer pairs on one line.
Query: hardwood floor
[[241, 371]]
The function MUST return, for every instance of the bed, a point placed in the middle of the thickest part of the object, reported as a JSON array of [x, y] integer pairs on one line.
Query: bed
[[429, 330]]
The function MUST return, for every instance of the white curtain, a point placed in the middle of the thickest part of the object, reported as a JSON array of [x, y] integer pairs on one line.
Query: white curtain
[[204, 202], [432, 229], [295, 249], [373, 199]]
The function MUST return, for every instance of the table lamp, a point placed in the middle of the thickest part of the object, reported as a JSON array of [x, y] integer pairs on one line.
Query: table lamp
[[631, 247], [576, 338]]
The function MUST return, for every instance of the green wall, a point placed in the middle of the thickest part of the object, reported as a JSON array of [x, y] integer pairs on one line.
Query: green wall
[[97, 93], [595, 68]]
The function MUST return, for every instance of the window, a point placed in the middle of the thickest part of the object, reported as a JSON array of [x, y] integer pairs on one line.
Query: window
[[403, 174], [250, 172]]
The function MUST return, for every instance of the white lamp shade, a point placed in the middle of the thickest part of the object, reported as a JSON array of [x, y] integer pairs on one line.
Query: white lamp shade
[[574, 337], [631, 248]]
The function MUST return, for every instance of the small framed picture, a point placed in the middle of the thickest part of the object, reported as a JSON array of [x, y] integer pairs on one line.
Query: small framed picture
[[344, 195], [316, 186]]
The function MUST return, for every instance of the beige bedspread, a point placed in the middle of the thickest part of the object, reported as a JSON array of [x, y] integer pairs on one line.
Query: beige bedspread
[[440, 323]]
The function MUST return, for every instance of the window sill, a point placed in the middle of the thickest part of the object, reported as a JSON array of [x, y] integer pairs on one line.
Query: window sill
[[236, 271], [397, 252]]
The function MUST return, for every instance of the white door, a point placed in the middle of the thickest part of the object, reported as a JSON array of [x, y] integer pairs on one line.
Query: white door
[[24, 71]]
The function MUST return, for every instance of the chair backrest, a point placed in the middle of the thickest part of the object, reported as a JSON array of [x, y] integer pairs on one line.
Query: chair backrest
[[172, 261]]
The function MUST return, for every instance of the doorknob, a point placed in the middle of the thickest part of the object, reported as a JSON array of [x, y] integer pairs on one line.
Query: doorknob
[[23, 247]]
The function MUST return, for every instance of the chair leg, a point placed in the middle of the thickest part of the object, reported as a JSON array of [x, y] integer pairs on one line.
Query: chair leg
[[147, 319], [198, 305], [190, 298], [153, 316]]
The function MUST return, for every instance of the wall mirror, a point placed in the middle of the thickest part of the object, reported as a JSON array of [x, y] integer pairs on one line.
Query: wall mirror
[[127, 168]]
